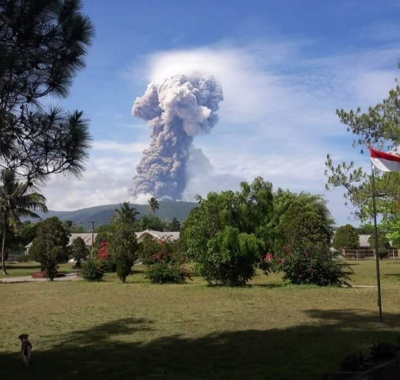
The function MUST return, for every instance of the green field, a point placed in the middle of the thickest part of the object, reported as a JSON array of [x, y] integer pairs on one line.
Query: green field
[[137, 330]]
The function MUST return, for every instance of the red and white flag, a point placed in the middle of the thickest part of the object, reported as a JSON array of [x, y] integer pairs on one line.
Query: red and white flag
[[384, 161]]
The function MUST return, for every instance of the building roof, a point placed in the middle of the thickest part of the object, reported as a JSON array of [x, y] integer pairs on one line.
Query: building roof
[[87, 236], [159, 235]]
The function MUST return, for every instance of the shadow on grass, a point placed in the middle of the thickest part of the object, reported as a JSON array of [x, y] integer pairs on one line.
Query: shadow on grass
[[268, 286], [114, 350], [392, 275]]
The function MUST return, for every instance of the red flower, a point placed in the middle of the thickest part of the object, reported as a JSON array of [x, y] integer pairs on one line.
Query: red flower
[[268, 257]]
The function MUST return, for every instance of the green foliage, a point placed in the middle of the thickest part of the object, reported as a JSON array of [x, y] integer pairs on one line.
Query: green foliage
[[378, 352], [16, 200], [79, 251], [50, 245], [174, 225], [123, 249], [354, 362], [150, 222], [379, 126], [43, 44], [228, 233], [315, 267], [125, 214], [230, 258], [150, 245], [164, 269], [300, 221], [383, 243], [164, 262], [92, 270], [153, 204], [346, 237], [365, 229], [105, 259]]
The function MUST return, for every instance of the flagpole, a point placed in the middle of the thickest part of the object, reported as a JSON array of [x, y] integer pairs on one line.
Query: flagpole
[[378, 275]]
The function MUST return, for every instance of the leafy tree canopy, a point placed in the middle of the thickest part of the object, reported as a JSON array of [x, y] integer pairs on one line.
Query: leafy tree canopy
[[124, 249], [154, 204], [79, 251], [379, 126], [227, 231], [125, 214], [346, 237], [16, 199], [50, 245], [42, 46], [300, 221]]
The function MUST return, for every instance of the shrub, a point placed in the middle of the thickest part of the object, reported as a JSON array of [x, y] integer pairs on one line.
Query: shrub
[[103, 255], [92, 270], [354, 362], [123, 248], [230, 258], [50, 245], [378, 352], [124, 266], [150, 246], [79, 251], [316, 268], [381, 351], [163, 269]]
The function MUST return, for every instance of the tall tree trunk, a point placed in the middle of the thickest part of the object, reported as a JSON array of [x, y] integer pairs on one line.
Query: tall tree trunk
[[3, 254]]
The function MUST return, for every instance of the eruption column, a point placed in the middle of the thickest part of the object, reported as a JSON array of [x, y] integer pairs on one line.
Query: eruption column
[[176, 110]]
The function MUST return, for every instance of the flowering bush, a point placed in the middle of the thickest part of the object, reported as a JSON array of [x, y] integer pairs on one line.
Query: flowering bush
[[317, 268], [270, 263], [92, 270], [164, 268], [105, 259]]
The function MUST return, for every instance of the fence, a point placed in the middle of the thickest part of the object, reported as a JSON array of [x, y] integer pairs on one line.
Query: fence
[[361, 254], [15, 257]]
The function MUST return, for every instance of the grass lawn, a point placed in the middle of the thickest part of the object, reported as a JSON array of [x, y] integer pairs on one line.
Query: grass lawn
[[28, 268], [137, 330]]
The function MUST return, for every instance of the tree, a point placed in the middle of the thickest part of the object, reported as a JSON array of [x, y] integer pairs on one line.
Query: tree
[[227, 233], [300, 221], [50, 245], [150, 222], [383, 243], [174, 225], [346, 237], [302, 228], [230, 258], [125, 214], [42, 47], [79, 251], [124, 249], [379, 126], [16, 200], [153, 204]]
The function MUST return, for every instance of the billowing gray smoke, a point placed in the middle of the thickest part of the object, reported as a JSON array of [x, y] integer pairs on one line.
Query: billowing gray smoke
[[176, 110]]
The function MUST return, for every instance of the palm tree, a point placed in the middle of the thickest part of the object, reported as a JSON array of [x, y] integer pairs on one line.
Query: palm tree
[[153, 204], [125, 213], [16, 201]]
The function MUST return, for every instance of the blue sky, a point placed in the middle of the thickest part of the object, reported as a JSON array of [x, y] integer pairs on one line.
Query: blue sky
[[284, 67]]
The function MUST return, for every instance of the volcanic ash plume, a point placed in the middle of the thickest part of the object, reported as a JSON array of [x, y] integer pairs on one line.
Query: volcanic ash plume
[[176, 110]]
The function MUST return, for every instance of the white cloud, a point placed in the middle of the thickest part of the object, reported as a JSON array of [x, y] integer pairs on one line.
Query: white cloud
[[277, 120], [107, 179], [118, 147]]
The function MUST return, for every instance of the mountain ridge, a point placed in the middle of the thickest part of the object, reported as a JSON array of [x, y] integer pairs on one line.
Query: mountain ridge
[[102, 214]]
